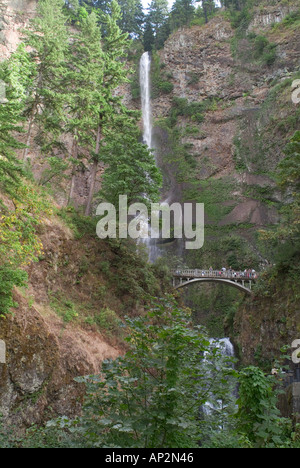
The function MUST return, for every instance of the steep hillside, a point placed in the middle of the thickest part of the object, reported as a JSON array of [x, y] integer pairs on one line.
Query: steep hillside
[[69, 318]]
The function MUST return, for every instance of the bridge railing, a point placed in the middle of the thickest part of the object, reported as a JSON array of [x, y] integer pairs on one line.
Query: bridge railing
[[229, 274]]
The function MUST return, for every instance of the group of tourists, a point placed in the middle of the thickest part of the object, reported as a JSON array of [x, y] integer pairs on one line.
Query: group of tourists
[[231, 273], [223, 272]]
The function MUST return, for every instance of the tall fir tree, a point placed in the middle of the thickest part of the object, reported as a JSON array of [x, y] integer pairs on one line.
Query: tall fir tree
[[158, 17], [182, 13], [84, 90], [149, 38], [132, 17], [115, 45], [16, 76], [209, 8], [48, 39], [130, 166]]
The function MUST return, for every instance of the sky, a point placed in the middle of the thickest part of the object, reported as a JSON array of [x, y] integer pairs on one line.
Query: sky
[[147, 2]]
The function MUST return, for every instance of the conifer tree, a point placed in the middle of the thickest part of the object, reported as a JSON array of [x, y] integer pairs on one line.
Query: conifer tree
[[84, 88], [15, 76], [48, 39], [158, 13], [115, 44], [149, 38], [182, 13], [130, 166], [158, 17], [132, 17]]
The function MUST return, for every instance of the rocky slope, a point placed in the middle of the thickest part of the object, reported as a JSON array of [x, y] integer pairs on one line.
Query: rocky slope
[[44, 351], [14, 16], [202, 65], [69, 319]]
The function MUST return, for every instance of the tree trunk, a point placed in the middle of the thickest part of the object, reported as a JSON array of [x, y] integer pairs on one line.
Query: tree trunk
[[25, 154], [205, 10], [93, 175], [32, 116], [75, 156]]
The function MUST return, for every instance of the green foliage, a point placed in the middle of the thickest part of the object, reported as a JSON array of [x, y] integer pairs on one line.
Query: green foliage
[[80, 225], [47, 38], [151, 396], [259, 49], [157, 23], [160, 81], [292, 20], [8, 279], [15, 76], [204, 12], [130, 166], [19, 241], [210, 192], [132, 17], [285, 238], [183, 108], [289, 167], [65, 308], [264, 50], [108, 321], [182, 14], [56, 170], [258, 414], [97, 114]]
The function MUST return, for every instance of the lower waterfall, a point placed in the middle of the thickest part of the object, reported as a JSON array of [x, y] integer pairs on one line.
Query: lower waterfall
[[214, 405]]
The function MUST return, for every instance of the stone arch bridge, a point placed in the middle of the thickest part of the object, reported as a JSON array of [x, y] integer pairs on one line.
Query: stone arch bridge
[[242, 280]]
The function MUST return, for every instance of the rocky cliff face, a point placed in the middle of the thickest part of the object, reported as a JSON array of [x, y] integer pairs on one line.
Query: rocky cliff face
[[203, 66], [14, 16], [268, 323]]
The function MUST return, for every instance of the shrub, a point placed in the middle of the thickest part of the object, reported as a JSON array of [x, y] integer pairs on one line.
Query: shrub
[[151, 397], [8, 279], [166, 87]]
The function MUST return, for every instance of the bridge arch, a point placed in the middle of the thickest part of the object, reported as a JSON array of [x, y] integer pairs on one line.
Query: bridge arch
[[229, 282]]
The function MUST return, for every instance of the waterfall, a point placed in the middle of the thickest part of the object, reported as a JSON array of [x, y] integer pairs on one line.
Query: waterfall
[[227, 350], [145, 67], [145, 86]]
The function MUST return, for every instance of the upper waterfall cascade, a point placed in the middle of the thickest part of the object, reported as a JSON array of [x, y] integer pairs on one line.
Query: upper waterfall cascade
[[145, 86], [145, 67]]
